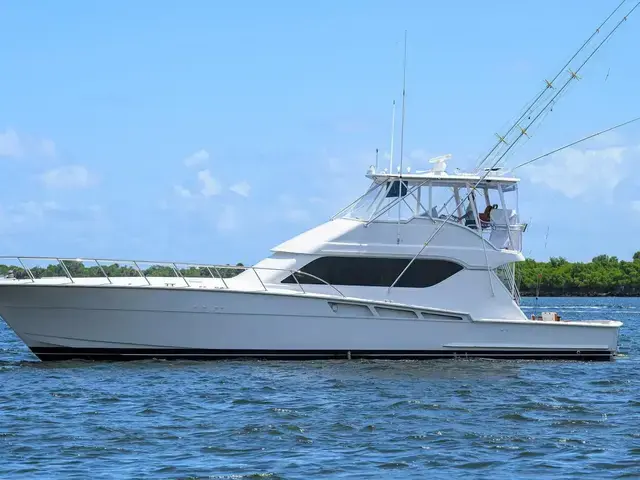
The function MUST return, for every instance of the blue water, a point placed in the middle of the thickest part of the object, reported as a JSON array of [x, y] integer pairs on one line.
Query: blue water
[[326, 419]]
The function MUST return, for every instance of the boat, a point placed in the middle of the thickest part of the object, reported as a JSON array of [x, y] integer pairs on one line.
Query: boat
[[422, 265], [361, 285]]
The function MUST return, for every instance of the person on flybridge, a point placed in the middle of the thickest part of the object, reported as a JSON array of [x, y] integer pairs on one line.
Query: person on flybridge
[[469, 216], [485, 217]]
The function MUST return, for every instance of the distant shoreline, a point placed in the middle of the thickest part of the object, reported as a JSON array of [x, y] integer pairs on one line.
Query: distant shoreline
[[603, 276]]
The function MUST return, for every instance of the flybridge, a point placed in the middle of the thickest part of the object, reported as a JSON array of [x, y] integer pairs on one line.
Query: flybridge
[[486, 204], [438, 176], [460, 179]]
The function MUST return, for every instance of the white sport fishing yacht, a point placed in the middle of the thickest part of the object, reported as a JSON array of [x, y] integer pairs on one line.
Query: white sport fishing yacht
[[422, 265], [362, 285]]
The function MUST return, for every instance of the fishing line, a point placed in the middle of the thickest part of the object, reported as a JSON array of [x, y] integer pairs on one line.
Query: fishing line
[[576, 142]]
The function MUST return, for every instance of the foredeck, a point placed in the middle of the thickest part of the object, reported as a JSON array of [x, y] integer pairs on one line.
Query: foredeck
[[141, 273]]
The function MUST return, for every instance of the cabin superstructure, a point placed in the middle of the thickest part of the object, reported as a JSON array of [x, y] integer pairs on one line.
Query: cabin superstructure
[[445, 239]]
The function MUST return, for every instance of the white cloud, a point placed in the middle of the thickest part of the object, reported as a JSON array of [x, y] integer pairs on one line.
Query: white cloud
[[13, 145], [228, 220], [68, 176], [182, 192], [10, 144], [575, 172], [210, 186], [198, 158], [241, 188]]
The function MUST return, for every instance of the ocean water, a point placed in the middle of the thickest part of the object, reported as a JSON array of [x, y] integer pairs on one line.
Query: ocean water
[[498, 419]]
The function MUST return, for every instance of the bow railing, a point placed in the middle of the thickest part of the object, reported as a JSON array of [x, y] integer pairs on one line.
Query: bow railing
[[146, 272]]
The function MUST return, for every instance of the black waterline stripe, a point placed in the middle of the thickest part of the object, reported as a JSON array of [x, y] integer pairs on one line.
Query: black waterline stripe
[[61, 353]]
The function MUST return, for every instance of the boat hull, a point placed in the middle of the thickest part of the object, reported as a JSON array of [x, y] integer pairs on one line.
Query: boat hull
[[60, 322]]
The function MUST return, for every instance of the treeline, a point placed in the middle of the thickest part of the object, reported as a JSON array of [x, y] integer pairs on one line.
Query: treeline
[[79, 269], [603, 276]]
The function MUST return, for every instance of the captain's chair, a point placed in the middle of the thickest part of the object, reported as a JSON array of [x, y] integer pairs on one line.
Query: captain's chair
[[485, 217]]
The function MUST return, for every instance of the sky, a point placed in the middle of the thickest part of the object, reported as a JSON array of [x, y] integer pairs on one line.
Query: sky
[[207, 132]]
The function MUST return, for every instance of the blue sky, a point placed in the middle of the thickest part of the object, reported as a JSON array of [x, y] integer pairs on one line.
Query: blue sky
[[202, 131]]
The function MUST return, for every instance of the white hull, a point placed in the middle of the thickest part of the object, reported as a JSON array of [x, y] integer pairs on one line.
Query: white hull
[[114, 322]]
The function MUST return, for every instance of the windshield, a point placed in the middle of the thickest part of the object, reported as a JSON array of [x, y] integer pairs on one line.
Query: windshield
[[402, 200]]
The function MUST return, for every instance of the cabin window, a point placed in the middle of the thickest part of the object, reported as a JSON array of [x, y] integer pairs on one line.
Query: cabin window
[[375, 272], [394, 189]]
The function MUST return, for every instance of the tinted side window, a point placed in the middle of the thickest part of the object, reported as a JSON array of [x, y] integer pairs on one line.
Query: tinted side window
[[376, 272]]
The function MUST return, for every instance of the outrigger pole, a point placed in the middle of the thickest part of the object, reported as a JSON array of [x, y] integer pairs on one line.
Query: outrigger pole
[[404, 93], [573, 75], [517, 130]]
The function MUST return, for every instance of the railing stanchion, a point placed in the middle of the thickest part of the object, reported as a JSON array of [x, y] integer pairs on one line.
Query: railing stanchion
[[102, 270], [296, 279], [140, 272], [175, 269], [259, 279], [220, 275], [27, 270], [66, 270]]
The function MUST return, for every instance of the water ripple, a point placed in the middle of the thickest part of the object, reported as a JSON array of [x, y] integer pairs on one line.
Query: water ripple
[[325, 419]]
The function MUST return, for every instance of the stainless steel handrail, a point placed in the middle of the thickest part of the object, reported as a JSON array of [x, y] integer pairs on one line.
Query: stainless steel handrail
[[100, 262]]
